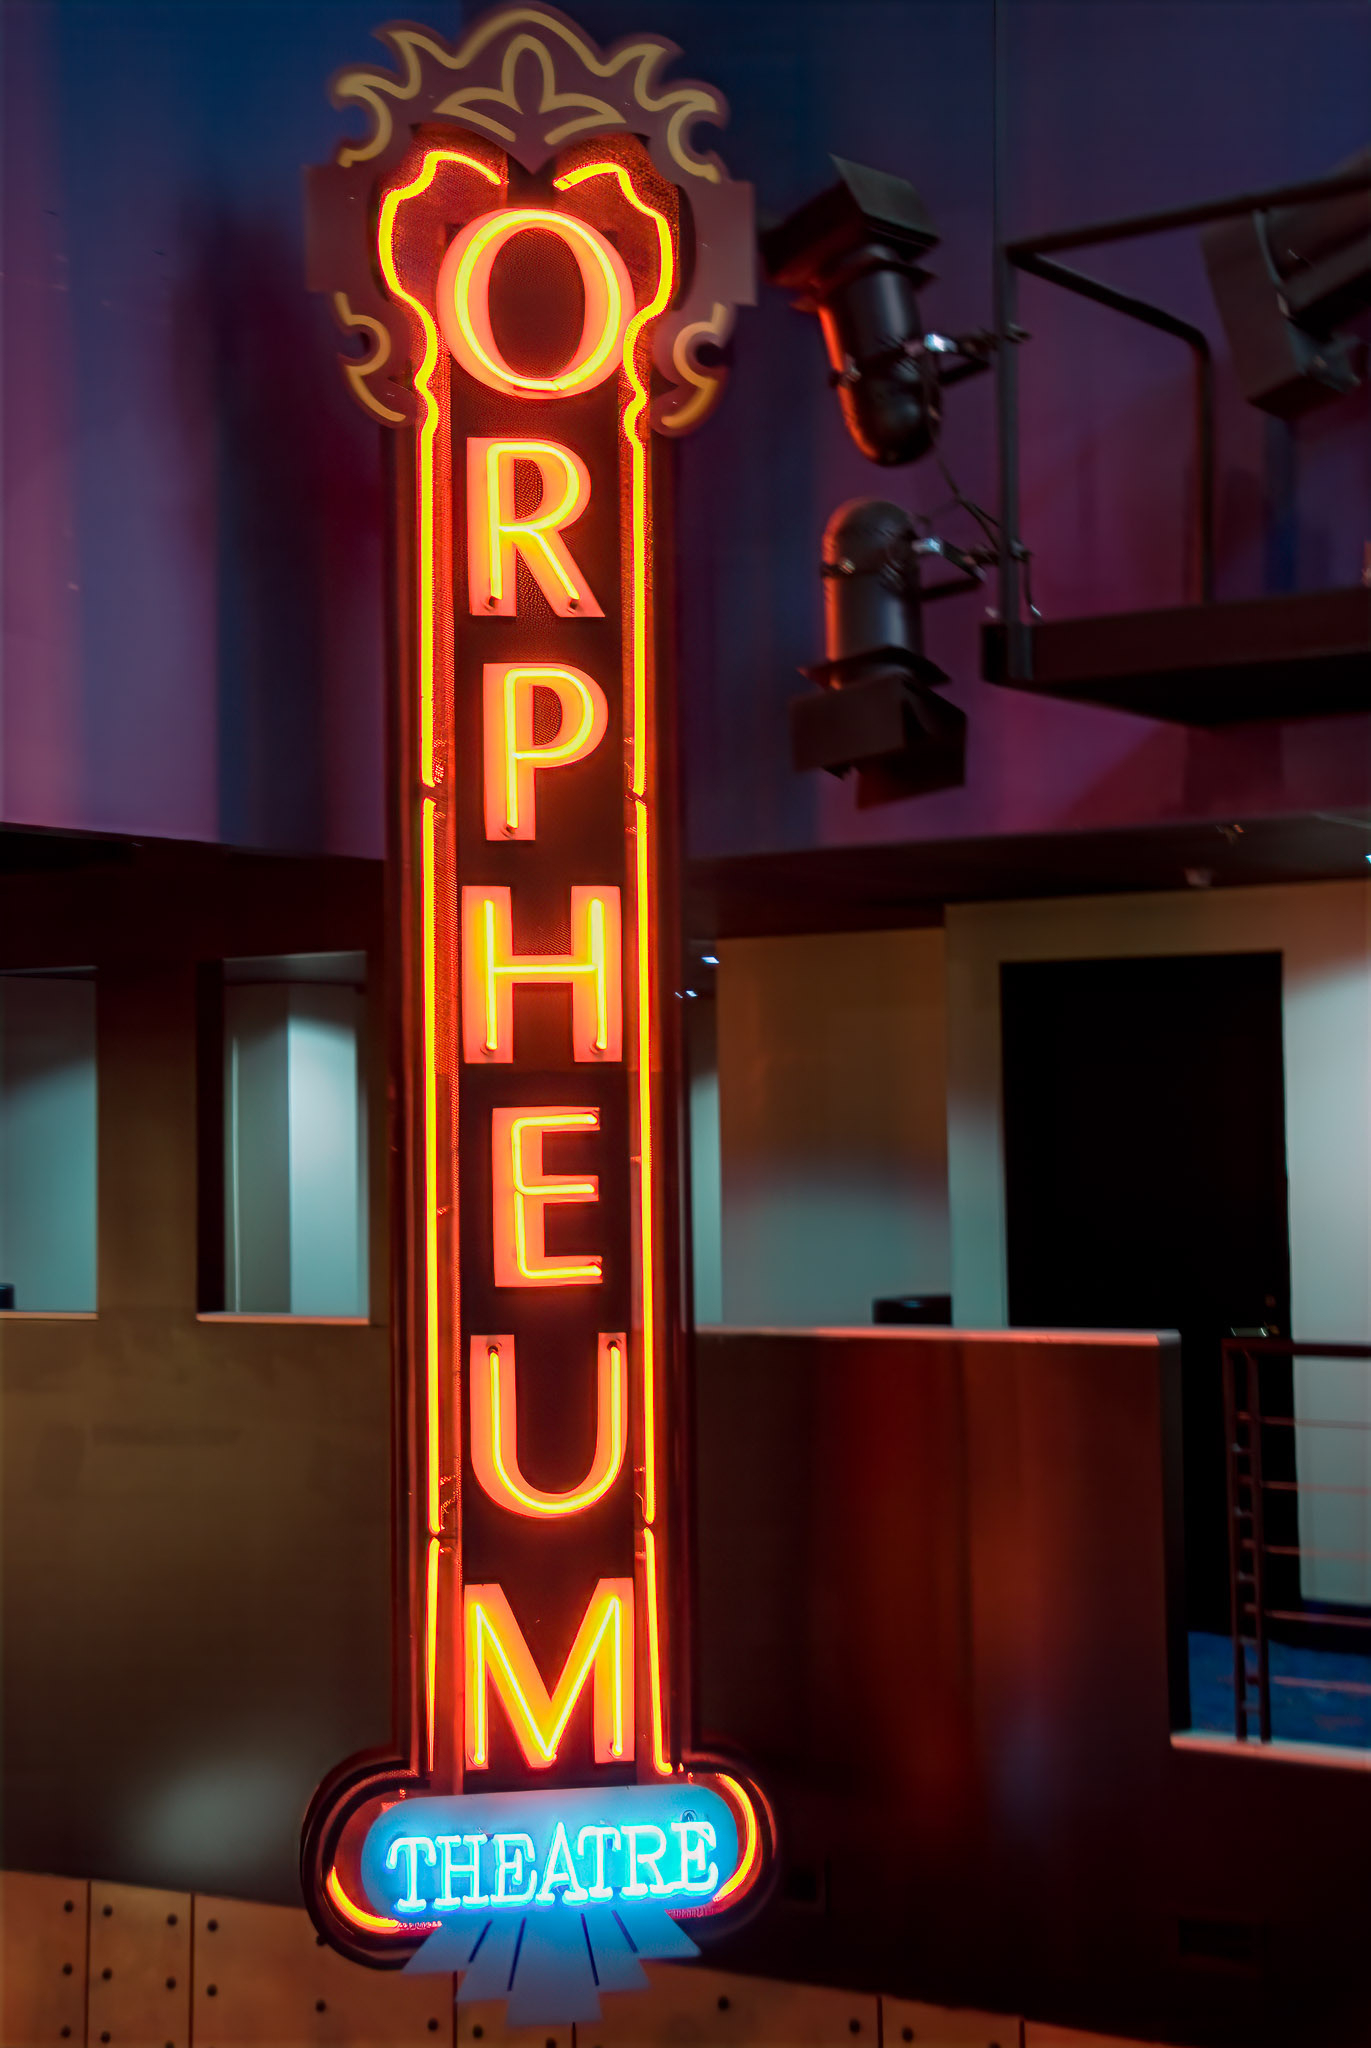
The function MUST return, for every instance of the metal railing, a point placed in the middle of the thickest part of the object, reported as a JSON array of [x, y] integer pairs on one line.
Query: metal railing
[[1033, 255], [1266, 1562]]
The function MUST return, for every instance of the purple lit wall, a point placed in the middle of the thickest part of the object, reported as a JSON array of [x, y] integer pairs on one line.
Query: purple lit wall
[[1113, 109], [192, 511], [193, 542]]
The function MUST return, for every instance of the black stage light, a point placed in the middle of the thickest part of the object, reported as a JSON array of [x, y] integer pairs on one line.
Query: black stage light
[[855, 257], [877, 710], [1284, 282]]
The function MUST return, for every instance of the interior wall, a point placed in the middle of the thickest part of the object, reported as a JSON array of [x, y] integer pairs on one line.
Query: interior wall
[[195, 1515], [327, 1153], [1323, 932], [256, 1149], [47, 1142], [706, 1166], [832, 1131], [295, 1147]]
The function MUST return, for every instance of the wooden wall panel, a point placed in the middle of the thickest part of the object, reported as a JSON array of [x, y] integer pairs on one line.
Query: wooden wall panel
[[263, 1979], [140, 1965], [158, 1969], [43, 1930], [934, 2026], [693, 2004], [484, 2025]]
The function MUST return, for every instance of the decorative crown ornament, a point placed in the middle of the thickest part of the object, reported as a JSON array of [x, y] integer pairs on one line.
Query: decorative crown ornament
[[528, 78]]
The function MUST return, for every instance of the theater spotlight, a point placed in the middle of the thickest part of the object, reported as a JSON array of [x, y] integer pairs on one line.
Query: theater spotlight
[[1284, 283], [877, 710], [855, 257]]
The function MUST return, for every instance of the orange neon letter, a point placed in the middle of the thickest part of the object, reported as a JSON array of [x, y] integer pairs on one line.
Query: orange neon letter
[[490, 969], [497, 532], [512, 756], [494, 1429], [602, 1655], [464, 302], [523, 1193]]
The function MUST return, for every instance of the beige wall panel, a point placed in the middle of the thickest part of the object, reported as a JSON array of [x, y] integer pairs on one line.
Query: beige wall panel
[[42, 1959], [485, 2026], [139, 1967], [832, 1063], [935, 2026], [686, 2004], [263, 1980]]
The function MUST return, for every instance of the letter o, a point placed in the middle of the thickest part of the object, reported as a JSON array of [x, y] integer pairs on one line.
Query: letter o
[[464, 302]]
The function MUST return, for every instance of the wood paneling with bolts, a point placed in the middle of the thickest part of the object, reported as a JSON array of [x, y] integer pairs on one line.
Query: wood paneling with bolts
[[140, 1967], [485, 2026], [111, 1966], [694, 2004], [43, 1932], [263, 1979], [904, 2021]]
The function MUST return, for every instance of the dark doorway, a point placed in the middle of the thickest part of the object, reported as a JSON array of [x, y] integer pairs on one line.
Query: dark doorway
[[1144, 1112]]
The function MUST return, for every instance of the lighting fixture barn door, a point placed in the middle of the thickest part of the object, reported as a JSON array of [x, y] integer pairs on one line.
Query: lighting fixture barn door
[[1145, 1178]]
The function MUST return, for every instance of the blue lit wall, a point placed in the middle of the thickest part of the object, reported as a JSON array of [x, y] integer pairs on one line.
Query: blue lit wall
[[193, 545]]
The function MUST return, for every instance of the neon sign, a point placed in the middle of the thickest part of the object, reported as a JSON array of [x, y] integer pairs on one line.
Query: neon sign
[[537, 252]]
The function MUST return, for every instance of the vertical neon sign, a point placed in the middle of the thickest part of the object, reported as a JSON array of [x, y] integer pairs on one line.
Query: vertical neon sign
[[537, 253]]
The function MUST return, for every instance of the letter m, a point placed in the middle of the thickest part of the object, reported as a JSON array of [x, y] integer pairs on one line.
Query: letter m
[[497, 1658]]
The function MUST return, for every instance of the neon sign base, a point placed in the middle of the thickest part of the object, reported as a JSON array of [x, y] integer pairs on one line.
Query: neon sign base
[[548, 1898]]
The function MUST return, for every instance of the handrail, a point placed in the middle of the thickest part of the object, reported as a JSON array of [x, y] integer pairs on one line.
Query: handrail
[[1029, 254], [1132, 226], [1248, 1550]]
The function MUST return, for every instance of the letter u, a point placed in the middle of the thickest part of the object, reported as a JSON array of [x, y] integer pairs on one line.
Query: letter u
[[494, 1428]]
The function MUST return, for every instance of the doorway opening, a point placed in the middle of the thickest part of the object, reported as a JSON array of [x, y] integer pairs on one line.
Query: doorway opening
[[1145, 1182]]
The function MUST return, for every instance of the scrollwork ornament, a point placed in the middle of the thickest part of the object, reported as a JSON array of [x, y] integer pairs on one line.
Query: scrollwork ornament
[[528, 82]]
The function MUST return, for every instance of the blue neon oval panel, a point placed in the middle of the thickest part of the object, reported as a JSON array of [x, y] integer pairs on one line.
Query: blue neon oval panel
[[674, 1844]]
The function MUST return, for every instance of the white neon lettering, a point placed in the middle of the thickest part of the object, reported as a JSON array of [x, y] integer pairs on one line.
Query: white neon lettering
[[559, 1870], [511, 1853], [651, 1859], [468, 1867], [599, 1836], [696, 1838], [410, 1846]]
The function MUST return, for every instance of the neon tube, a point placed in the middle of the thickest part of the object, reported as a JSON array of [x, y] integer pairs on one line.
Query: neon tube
[[464, 301], [385, 241], [603, 1646], [494, 1430], [374, 1923], [632, 421]]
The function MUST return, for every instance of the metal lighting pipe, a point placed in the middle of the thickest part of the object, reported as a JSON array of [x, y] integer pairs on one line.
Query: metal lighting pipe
[[1133, 225], [1006, 357], [1029, 255], [1202, 567]]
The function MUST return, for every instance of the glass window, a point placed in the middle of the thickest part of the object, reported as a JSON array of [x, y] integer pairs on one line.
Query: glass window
[[47, 1142], [295, 1136]]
